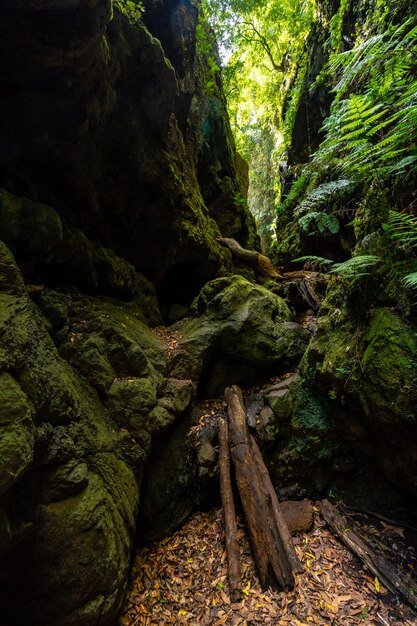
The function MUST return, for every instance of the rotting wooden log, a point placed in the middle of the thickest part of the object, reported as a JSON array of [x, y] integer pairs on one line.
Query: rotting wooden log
[[385, 571], [273, 566], [282, 527], [309, 294], [230, 525], [298, 515], [306, 274], [261, 263]]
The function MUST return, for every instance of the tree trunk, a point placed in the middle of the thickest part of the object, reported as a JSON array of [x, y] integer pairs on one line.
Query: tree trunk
[[232, 545], [278, 514], [378, 565], [261, 263], [270, 556]]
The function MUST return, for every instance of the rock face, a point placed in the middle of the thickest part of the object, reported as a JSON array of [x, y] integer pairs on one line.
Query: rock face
[[68, 480], [348, 419], [83, 390], [241, 334], [375, 392], [117, 174], [124, 135], [355, 405]]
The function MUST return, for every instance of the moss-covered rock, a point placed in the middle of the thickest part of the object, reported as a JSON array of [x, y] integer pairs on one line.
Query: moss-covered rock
[[17, 432], [388, 389], [242, 333], [121, 142], [361, 375], [76, 433], [61, 454], [30, 229]]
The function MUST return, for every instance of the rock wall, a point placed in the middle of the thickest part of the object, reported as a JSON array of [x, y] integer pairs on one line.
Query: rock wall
[[117, 174], [352, 417], [123, 134]]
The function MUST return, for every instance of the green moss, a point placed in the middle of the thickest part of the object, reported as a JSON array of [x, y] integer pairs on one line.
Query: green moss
[[310, 413], [331, 354], [388, 389], [17, 432]]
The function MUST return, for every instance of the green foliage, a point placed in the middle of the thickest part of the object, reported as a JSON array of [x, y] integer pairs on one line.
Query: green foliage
[[369, 153], [335, 42], [323, 197], [372, 129], [322, 221], [323, 194], [317, 260], [402, 228], [261, 45], [411, 280], [355, 267], [132, 9], [206, 48]]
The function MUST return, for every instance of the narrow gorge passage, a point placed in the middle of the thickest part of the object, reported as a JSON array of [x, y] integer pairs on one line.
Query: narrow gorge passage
[[196, 194]]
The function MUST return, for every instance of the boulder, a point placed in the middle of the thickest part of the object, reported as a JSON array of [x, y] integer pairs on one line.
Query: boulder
[[242, 333], [357, 404], [70, 491], [83, 391]]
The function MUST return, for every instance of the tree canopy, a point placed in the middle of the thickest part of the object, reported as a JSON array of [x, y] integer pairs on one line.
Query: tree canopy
[[261, 44]]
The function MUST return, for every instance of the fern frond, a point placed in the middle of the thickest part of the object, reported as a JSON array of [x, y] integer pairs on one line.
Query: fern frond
[[411, 280], [402, 228], [314, 259], [323, 194], [355, 267]]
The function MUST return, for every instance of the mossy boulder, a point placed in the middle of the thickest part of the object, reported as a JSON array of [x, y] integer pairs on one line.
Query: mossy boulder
[[30, 229], [17, 432], [362, 370], [242, 333], [83, 392], [68, 477], [388, 389], [106, 340]]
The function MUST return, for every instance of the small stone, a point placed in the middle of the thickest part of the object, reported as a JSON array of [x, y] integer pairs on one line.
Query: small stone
[[206, 454], [265, 416]]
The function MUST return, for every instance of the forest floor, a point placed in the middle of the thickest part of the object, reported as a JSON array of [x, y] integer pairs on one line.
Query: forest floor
[[183, 580]]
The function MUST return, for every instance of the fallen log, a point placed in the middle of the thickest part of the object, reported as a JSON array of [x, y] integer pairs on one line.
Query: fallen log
[[261, 263], [306, 274], [271, 558], [385, 571], [307, 283], [230, 525], [278, 514]]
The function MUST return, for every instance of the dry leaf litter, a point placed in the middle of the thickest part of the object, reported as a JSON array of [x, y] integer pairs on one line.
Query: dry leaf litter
[[183, 580]]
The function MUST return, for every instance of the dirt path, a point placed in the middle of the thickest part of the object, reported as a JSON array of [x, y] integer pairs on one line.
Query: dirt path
[[183, 580]]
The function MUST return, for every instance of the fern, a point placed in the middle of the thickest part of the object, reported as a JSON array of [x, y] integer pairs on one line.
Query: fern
[[323, 194], [411, 280], [355, 267], [402, 228], [323, 221], [314, 259], [352, 268], [373, 122]]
